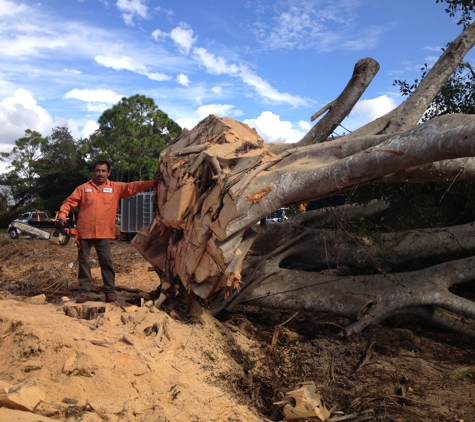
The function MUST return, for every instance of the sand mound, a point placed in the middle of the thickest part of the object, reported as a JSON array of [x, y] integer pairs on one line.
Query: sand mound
[[172, 371]]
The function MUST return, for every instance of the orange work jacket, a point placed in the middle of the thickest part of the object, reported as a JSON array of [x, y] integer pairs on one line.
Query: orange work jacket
[[98, 206]]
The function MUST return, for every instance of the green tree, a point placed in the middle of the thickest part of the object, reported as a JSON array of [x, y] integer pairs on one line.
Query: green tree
[[61, 168], [462, 7], [131, 135], [44, 170], [20, 178], [3, 201]]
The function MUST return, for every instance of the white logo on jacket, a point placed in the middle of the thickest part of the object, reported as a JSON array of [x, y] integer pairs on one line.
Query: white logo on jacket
[[107, 190], [87, 190]]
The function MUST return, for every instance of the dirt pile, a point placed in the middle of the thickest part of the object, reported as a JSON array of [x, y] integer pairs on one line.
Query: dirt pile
[[143, 364], [122, 370]]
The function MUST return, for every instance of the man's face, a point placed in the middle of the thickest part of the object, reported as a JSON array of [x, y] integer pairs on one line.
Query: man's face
[[101, 174]]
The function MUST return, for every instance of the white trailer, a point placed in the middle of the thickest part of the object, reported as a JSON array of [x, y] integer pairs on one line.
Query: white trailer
[[135, 212]]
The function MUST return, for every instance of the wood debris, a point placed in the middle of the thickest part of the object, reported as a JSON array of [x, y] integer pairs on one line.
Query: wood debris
[[24, 396], [303, 403]]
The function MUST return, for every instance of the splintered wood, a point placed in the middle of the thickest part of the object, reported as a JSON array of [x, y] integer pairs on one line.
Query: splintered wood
[[256, 197], [303, 403], [201, 173]]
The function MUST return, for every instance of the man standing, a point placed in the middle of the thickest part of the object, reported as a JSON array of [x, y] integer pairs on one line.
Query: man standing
[[98, 200]]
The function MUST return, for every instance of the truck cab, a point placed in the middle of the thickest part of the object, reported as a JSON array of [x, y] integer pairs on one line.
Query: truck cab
[[38, 218]]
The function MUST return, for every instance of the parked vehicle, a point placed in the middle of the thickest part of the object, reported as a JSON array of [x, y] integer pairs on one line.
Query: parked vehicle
[[38, 219], [277, 216]]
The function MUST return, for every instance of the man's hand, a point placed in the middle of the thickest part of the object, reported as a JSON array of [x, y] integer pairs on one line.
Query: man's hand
[[156, 178], [61, 221]]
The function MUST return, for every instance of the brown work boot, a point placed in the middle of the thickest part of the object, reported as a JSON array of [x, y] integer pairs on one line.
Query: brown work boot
[[110, 298], [82, 298]]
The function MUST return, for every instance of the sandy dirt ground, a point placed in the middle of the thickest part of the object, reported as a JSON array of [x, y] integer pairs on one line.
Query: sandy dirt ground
[[177, 363]]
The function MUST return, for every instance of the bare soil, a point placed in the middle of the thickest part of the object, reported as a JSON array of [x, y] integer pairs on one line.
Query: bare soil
[[180, 364]]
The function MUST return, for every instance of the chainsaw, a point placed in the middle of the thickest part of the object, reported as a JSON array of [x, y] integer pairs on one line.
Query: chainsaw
[[63, 235]]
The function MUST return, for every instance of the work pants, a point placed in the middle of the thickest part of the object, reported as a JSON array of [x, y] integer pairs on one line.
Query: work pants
[[103, 250]]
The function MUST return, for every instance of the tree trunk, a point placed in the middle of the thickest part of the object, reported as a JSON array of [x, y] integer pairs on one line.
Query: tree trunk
[[217, 181]]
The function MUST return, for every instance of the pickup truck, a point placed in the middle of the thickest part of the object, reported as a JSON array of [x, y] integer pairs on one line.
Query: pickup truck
[[39, 219]]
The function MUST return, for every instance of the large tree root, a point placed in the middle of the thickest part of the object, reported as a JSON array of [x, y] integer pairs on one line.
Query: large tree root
[[296, 268], [365, 299], [326, 249]]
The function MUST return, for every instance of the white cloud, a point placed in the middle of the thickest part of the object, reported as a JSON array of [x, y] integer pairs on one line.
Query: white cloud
[[44, 36], [121, 63], [183, 37], [97, 100], [218, 90], [156, 76], [26, 45], [272, 129], [3, 166], [157, 34], [368, 39], [220, 110], [133, 65], [18, 113], [99, 107], [9, 8], [314, 24], [39, 35], [217, 65], [94, 95], [187, 123], [430, 60], [304, 125], [73, 71], [183, 79], [89, 128], [265, 90], [168, 12], [374, 108], [7, 88], [132, 8], [70, 123], [294, 28], [429, 48]]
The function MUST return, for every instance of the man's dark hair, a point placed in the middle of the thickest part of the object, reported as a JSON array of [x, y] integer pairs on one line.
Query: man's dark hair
[[101, 162]]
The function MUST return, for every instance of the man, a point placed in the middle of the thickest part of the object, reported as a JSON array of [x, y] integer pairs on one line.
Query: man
[[97, 200]]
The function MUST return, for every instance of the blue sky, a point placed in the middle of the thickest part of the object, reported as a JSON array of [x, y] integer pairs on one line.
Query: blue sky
[[269, 63]]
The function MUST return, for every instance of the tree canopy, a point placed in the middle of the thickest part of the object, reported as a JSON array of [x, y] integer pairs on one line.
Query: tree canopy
[[21, 176], [45, 170], [462, 7], [131, 135], [62, 167]]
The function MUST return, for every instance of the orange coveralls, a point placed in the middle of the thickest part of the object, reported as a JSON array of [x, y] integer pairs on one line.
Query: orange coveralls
[[98, 207]]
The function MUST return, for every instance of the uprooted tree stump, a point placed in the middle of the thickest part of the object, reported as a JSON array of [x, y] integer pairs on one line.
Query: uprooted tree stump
[[217, 181], [88, 310]]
